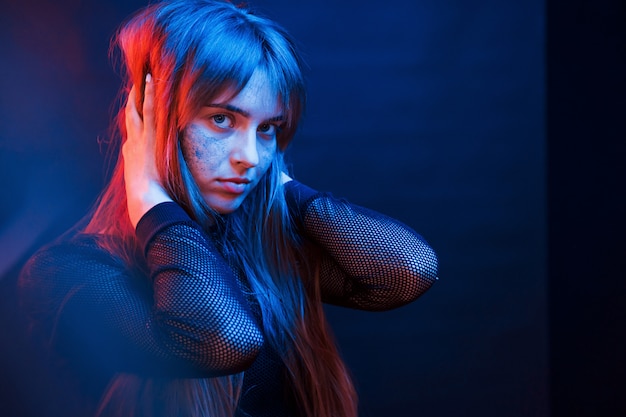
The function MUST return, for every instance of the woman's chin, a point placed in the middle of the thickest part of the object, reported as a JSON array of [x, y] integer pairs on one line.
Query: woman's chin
[[223, 205]]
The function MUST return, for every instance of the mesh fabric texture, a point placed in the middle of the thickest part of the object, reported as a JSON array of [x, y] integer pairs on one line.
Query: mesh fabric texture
[[181, 311]]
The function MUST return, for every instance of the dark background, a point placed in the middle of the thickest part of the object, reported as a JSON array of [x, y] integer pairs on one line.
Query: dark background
[[496, 129]]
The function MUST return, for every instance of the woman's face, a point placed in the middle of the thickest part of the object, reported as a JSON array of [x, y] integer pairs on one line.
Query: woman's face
[[230, 143]]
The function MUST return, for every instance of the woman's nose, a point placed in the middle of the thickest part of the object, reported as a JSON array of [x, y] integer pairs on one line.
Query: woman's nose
[[245, 150]]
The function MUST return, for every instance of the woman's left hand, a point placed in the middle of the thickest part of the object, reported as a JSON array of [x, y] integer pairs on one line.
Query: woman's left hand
[[286, 178]]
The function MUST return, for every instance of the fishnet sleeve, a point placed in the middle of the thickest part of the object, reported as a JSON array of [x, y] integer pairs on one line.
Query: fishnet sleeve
[[366, 260], [199, 306], [188, 318]]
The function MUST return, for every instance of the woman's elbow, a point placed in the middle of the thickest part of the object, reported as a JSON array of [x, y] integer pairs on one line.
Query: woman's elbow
[[414, 276], [216, 351]]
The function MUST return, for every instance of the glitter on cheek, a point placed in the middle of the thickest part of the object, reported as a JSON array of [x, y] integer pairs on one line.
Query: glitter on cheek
[[203, 152], [266, 155]]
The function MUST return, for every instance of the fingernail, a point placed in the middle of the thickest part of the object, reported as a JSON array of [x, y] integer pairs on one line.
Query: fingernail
[[148, 77]]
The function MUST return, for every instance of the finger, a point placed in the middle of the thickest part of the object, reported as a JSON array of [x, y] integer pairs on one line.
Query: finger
[[133, 119], [148, 103], [130, 101]]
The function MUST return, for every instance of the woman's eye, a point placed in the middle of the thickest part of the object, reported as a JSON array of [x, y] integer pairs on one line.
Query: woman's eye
[[222, 121], [268, 129]]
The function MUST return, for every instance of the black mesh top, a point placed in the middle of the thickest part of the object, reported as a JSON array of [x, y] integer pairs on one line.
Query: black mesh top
[[188, 317]]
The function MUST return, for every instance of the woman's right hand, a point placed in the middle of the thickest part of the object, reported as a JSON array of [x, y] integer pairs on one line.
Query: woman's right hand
[[144, 188]]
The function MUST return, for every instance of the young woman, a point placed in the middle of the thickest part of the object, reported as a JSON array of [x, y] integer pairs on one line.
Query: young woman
[[195, 286]]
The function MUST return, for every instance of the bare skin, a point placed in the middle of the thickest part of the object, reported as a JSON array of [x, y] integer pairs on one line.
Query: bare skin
[[143, 185], [144, 188]]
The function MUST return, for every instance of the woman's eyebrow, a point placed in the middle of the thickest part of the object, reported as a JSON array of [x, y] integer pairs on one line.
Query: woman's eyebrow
[[242, 112]]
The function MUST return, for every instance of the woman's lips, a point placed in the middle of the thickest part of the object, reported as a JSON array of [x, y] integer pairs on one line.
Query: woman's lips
[[236, 185]]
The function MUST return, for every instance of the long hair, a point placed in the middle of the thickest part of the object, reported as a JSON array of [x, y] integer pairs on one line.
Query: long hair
[[195, 51]]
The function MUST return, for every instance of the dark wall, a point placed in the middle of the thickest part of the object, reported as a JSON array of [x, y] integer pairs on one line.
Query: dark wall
[[432, 112], [587, 206]]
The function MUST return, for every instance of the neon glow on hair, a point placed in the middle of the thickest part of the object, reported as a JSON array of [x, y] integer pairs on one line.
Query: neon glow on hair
[[195, 51]]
